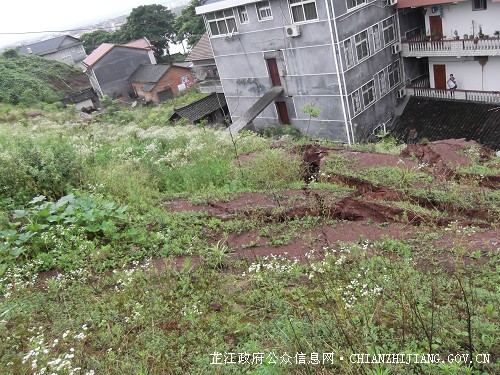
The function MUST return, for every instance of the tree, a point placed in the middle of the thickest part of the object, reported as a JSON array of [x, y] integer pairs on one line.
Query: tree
[[154, 22], [189, 25], [95, 38]]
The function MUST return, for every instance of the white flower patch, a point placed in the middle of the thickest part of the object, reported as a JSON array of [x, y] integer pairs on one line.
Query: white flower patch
[[19, 278], [275, 264]]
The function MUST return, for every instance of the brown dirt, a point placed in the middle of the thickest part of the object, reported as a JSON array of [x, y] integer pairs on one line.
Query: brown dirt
[[71, 83]]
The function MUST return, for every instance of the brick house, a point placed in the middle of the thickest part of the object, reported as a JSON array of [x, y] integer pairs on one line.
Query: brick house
[[158, 83]]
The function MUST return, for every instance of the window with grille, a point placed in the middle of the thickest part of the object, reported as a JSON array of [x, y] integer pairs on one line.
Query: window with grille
[[349, 57], [389, 32], [382, 82], [362, 46], [221, 22], [242, 13], [356, 102], [394, 74], [264, 10], [368, 93], [478, 4], [303, 10], [377, 43], [354, 3]]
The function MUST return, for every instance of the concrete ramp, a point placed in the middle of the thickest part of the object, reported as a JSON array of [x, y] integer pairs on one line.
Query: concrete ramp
[[256, 109]]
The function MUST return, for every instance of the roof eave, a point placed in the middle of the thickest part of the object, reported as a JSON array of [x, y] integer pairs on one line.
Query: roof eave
[[224, 4]]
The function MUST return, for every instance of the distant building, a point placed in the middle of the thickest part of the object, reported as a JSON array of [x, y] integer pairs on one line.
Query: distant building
[[110, 66], [204, 67], [158, 83], [65, 48]]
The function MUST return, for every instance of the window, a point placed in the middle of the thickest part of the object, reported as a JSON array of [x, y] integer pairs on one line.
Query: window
[[349, 57], [478, 4], [242, 13], [393, 74], [376, 38], [303, 10], [362, 47], [368, 93], [354, 3], [389, 34], [382, 83], [356, 102], [221, 22], [264, 10]]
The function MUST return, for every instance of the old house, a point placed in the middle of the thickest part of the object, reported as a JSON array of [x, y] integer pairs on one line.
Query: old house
[[340, 56], [110, 66], [212, 109], [204, 67], [158, 83], [64, 48]]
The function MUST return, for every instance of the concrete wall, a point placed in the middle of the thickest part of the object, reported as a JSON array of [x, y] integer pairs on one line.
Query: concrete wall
[[469, 73], [114, 69], [460, 17]]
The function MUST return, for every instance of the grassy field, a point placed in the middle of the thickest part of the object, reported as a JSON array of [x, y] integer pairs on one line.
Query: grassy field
[[129, 245]]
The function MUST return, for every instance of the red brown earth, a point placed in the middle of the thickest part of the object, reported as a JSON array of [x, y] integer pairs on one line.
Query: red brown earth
[[365, 212]]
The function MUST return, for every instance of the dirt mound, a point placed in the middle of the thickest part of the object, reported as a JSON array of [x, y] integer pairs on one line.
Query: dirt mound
[[447, 154]]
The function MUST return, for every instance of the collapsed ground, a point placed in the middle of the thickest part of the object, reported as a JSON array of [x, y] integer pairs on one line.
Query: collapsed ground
[[243, 246]]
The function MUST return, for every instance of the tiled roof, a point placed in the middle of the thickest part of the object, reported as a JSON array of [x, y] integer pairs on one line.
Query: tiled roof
[[46, 46], [106, 47], [148, 73], [201, 108], [140, 43], [202, 50], [437, 119]]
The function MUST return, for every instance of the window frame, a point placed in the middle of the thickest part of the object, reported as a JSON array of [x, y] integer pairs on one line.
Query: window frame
[[261, 19], [377, 40], [301, 4], [349, 54], [355, 4], [357, 44], [215, 20], [368, 89], [482, 5], [391, 25], [382, 82], [394, 67], [356, 98], [242, 10]]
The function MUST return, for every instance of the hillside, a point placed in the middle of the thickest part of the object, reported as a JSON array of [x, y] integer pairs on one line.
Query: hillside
[[128, 246], [31, 79]]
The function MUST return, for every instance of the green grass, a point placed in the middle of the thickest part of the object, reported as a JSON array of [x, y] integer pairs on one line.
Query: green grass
[[98, 275]]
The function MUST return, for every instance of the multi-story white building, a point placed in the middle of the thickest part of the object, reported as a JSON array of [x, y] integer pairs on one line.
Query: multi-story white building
[[339, 56], [459, 37]]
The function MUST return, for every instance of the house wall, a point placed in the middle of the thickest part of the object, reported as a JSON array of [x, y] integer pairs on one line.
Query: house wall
[[113, 70], [311, 66], [460, 17], [469, 73]]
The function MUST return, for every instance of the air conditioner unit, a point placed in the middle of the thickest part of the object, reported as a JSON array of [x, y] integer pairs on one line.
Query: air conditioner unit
[[392, 2], [401, 93], [396, 48], [292, 31]]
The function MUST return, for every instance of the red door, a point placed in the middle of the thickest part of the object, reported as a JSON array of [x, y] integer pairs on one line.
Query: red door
[[282, 113], [436, 24], [273, 72], [440, 77]]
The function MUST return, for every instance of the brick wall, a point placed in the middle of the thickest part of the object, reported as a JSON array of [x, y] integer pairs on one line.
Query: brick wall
[[173, 78]]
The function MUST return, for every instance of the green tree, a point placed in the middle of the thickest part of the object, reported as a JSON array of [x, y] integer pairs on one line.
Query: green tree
[[95, 38], [189, 25], [154, 22]]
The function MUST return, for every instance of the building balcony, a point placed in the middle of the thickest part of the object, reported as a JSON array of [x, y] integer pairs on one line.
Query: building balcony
[[470, 95], [458, 48]]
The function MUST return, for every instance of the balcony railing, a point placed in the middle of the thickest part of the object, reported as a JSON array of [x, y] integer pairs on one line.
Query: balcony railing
[[476, 96], [459, 47]]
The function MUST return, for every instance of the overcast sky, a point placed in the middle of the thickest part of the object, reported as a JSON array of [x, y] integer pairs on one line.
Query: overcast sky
[[21, 16]]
